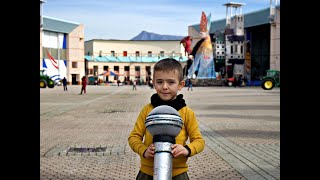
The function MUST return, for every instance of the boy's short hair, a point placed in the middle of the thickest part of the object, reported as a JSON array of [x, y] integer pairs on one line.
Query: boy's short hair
[[169, 64]]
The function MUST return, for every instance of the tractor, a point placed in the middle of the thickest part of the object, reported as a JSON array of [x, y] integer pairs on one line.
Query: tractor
[[271, 80], [45, 80]]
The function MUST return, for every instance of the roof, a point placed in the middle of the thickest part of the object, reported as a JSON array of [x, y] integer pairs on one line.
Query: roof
[[234, 4], [58, 25], [123, 59], [251, 19]]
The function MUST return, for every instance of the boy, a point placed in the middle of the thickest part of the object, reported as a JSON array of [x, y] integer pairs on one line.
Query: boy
[[167, 81]]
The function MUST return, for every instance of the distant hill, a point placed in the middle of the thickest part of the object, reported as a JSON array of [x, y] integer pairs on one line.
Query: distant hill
[[144, 36]]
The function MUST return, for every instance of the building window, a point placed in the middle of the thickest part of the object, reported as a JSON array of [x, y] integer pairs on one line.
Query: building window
[[235, 48], [241, 49], [95, 70], [218, 52], [54, 52], [126, 73], [105, 68], [116, 70], [161, 53], [217, 46], [231, 50], [125, 53], [137, 53], [149, 53], [74, 64], [137, 72], [112, 53]]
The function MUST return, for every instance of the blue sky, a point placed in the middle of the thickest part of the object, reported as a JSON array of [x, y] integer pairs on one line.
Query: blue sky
[[124, 19]]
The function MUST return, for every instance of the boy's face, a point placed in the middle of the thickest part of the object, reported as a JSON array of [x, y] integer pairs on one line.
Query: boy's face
[[167, 84]]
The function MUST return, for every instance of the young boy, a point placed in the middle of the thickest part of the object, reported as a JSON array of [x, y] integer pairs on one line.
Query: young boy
[[167, 81]]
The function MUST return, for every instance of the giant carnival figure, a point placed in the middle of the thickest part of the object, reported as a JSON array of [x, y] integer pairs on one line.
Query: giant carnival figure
[[203, 63]]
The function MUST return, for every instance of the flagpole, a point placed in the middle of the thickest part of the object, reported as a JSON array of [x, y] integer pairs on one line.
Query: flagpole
[[58, 55]]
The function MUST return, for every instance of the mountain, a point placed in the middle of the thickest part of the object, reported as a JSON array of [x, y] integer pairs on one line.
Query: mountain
[[144, 36]]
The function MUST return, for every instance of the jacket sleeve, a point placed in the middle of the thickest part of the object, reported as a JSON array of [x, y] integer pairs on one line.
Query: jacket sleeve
[[135, 138], [197, 142]]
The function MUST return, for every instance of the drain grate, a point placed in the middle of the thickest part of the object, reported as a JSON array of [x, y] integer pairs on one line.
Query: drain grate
[[87, 150], [65, 150]]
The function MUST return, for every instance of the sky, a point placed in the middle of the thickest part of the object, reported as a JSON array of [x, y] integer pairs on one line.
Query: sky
[[124, 19]]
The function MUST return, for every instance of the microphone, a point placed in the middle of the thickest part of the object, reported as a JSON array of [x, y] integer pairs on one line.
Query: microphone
[[164, 124]]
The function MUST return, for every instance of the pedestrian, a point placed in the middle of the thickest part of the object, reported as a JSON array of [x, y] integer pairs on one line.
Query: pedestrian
[[189, 84], [64, 82], [151, 84], [84, 85], [118, 82], [240, 80], [134, 87], [168, 80], [235, 80]]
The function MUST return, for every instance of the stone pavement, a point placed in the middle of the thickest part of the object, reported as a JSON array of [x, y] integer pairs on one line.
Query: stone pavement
[[241, 127]]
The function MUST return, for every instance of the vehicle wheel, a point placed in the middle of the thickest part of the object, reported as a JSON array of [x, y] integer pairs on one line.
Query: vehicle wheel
[[51, 86], [43, 84], [267, 84], [230, 83]]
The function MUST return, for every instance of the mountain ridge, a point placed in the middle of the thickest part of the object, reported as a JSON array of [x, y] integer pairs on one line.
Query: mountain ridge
[[147, 36]]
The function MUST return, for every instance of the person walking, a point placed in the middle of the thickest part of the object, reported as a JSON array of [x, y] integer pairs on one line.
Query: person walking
[[64, 83], [189, 84], [84, 85], [168, 80], [134, 87]]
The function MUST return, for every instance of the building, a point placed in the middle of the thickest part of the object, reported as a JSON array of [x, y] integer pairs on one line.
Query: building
[[127, 60], [62, 49], [260, 44]]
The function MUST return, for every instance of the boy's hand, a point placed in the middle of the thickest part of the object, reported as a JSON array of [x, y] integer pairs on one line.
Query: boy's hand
[[149, 153], [178, 149]]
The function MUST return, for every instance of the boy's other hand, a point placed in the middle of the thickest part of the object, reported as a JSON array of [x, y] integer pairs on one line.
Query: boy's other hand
[[178, 149], [149, 153]]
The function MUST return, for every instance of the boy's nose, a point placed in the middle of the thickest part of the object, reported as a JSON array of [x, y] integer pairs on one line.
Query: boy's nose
[[165, 85]]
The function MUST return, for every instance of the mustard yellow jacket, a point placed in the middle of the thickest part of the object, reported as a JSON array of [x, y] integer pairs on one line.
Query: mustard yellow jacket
[[140, 139]]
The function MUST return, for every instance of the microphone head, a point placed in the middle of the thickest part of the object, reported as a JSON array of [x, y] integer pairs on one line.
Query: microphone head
[[164, 120]]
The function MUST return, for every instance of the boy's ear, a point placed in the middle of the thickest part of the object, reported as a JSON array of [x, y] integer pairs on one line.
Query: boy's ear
[[181, 85]]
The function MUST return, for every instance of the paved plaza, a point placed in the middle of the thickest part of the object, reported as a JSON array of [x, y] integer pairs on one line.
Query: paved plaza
[[241, 127]]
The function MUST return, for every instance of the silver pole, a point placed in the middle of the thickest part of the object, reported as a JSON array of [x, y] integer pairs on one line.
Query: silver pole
[[162, 168]]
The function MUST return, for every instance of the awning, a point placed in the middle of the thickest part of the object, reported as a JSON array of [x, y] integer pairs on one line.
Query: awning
[[110, 73]]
